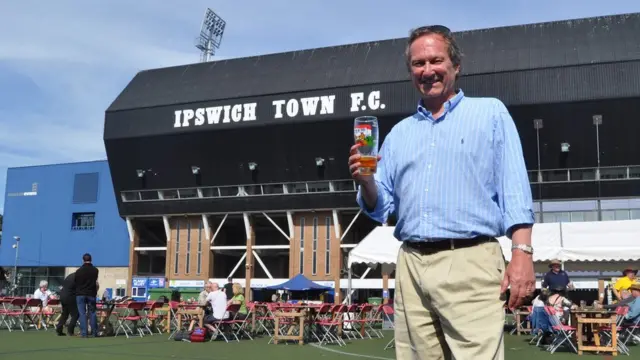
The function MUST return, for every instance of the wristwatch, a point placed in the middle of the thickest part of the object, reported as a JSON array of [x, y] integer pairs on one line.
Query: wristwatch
[[522, 247]]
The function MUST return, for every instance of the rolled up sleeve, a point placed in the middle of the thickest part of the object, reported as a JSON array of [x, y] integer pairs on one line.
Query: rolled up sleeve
[[514, 188], [384, 183]]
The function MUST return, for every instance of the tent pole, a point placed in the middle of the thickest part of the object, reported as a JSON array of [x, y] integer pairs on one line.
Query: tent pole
[[349, 287]]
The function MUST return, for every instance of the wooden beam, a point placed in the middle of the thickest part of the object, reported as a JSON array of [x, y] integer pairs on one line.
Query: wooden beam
[[250, 263]]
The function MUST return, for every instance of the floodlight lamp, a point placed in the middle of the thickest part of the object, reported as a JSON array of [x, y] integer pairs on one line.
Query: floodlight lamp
[[16, 238], [597, 119], [253, 166], [319, 161], [564, 147], [537, 124], [140, 173], [195, 170]]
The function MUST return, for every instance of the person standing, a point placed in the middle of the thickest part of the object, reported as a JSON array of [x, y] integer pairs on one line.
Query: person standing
[[228, 288], [69, 306], [556, 277], [454, 174], [86, 286]]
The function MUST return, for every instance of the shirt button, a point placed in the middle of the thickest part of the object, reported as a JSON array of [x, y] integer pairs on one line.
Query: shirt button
[[433, 144], [426, 190], [429, 166]]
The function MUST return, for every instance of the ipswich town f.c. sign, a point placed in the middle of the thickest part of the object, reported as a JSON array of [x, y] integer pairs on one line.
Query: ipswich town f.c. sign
[[293, 108]]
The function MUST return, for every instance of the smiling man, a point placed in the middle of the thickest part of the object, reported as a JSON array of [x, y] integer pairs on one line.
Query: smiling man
[[455, 176]]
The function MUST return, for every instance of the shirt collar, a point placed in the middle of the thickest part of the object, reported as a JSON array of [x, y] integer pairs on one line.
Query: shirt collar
[[448, 106]]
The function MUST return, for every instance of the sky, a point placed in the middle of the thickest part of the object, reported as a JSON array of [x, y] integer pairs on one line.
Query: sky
[[63, 62]]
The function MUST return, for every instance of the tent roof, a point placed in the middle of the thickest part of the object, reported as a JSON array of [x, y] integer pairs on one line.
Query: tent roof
[[578, 241], [378, 247], [298, 283]]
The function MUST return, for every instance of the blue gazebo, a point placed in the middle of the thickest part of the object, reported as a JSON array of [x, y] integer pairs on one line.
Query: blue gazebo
[[299, 283]]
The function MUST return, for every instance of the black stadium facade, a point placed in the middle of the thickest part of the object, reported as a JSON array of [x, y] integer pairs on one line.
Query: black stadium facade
[[241, 164]]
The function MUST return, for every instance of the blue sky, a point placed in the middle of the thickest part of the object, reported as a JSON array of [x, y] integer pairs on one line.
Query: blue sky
[[63, 62]]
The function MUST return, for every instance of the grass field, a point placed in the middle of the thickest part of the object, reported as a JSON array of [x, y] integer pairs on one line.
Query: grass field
[[31, 345]]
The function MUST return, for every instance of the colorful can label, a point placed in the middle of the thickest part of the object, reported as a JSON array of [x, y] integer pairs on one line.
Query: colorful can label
[[363, 135]]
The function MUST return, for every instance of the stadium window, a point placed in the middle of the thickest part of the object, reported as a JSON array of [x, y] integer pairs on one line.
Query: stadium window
[[314, 256], [188, 258], [327, 257], [176, 266], [302, 245], [83, 221]]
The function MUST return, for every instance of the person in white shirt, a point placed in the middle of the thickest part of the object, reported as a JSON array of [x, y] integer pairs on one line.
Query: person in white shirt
[[218, 301], [43, 293]]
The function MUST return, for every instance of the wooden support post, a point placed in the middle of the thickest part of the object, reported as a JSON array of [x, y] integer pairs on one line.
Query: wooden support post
[[249, 265], [133, 255], [336, 255]]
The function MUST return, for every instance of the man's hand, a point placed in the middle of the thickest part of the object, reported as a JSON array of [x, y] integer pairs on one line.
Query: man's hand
[[354, 166], [521, 276]]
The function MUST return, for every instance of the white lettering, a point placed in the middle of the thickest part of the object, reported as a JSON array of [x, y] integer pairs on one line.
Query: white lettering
[[309, 105], [292, 108], [327, 104], [374, 100], [177, 113], [356, 99], [250, 112], [199, 117], [236, 113], [278, 104], [226, 119], [187, 115], [213, 114]]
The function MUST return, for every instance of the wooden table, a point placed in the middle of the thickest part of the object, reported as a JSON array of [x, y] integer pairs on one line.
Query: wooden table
[[597, 317], [521, 314]]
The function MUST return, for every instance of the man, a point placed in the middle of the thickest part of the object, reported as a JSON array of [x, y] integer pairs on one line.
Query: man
[[69, 306], [86, 285], [455, 176], [556, 277], [622, 285], [634, 306], [202, 297], [218, 300], [228, 288]]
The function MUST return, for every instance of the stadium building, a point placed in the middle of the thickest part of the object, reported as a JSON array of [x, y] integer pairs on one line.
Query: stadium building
[[238, 168]]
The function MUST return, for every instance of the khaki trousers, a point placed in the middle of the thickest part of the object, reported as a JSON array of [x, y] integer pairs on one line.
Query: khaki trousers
[[448, 303]]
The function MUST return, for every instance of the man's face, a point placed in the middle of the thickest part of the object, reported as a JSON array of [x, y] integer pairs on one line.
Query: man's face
[[635, 293], [214, 287], [555, 268], [432, 71], [631, 275]]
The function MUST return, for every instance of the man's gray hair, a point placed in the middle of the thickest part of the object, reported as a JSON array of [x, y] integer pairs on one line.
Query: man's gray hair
[[455, 53], [44, 283]]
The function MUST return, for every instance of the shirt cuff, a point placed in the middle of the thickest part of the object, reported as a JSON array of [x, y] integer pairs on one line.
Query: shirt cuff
[[514, 218], [379, 212]]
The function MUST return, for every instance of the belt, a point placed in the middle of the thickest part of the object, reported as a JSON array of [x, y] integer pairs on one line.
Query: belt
[[433, 245]]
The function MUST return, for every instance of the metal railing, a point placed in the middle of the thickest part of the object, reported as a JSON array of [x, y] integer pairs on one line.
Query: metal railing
[[314, 187]]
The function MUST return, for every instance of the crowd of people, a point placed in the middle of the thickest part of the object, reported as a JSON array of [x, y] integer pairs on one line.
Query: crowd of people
[[555, 286]]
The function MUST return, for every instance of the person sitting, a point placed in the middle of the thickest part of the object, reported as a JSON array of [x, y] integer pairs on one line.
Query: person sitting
[[218, 300], [541, 300], [202, 297], [560, 303], [238, 299], [634, 306], [43, 293]]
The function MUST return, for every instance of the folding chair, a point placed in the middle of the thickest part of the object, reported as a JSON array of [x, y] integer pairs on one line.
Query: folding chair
[[131, 319], [562, 333], [224, 327], [329, 326], [388, 313]]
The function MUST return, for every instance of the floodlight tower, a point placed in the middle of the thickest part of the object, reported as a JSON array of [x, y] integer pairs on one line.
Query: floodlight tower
[[210, 35]]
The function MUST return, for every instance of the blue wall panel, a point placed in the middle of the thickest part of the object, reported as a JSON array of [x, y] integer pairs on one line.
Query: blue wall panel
[[44, 220]]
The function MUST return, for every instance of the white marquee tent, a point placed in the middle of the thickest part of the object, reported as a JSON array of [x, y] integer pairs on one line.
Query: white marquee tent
[[579, 241]]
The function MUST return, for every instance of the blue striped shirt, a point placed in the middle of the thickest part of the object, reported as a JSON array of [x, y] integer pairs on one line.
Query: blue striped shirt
[[459, 176]]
